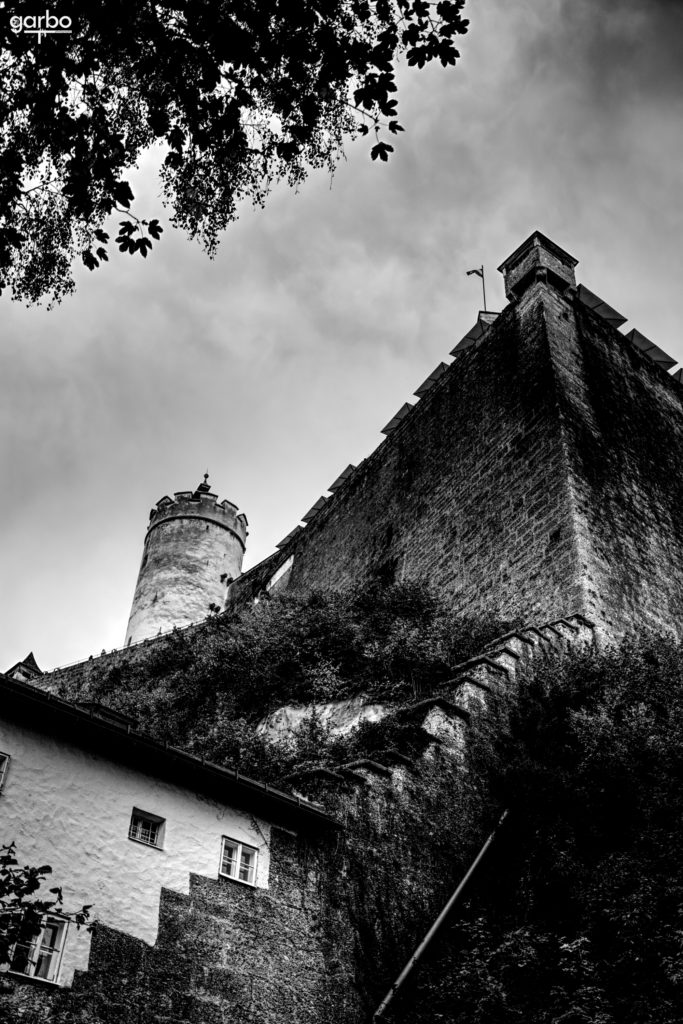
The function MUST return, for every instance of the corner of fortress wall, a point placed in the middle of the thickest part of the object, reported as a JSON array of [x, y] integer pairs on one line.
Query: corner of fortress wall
[[543, 470], [469, 492], [622, 424]]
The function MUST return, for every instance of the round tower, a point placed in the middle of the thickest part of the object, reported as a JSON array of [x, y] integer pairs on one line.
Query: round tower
[[193, 550]]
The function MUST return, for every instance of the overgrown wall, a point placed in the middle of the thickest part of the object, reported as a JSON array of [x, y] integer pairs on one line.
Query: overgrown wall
[[623, 424]]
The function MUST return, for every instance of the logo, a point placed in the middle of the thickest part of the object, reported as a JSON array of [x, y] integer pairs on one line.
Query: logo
[[43, 24]]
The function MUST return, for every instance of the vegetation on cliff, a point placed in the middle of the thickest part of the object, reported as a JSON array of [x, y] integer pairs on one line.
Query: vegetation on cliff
[[579, 917], [206, 689]]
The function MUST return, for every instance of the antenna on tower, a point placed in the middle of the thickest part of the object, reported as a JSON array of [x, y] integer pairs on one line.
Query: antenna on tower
[[479, 271]]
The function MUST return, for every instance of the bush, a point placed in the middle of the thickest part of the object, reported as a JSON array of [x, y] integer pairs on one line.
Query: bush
[[580, 916], [207, 688]]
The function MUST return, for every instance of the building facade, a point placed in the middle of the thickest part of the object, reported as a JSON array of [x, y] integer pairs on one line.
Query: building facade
[[120, 818]]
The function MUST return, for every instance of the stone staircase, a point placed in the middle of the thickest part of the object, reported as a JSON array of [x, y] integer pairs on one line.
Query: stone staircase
[[444, 719]]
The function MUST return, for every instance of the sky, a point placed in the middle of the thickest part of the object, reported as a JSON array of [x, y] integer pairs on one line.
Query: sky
[[278, 363]]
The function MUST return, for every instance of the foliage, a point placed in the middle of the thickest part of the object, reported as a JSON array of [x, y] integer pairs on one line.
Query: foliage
[[207, 688], [403, 849], [235, 96], [22, 908], [580, 918]]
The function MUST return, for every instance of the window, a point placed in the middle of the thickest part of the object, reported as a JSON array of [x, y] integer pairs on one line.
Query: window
[[238, 861], [41, 956], [4, 765], [146, 828]]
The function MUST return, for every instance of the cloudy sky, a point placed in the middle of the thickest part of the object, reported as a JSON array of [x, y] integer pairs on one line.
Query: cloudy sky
[[279, 362]]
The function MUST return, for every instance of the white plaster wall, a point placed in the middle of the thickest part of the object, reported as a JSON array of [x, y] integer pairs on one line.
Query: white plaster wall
[[71, 809]]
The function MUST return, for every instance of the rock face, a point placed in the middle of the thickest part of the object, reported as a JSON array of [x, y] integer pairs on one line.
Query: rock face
[[338, 718]]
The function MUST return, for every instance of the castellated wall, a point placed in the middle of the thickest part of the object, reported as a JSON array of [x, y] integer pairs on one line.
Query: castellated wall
[[193, 548], [623, 423], [470, 491]]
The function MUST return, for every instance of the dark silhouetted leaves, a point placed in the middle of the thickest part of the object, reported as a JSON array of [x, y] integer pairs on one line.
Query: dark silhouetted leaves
[[381, 150], [237, 97]]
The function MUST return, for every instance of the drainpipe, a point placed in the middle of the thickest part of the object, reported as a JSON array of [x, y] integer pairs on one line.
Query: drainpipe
[[421, 949]]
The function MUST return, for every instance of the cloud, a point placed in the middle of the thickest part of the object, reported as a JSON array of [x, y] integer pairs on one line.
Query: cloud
[[614, 49]]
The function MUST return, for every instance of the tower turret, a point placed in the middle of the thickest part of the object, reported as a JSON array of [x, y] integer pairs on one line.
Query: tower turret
[[193, 549]]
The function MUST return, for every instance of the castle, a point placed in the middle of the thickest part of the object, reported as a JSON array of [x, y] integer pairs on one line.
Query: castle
[[537, 476]]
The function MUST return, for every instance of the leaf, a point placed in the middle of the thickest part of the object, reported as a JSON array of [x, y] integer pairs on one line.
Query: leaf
[[173, 160], [381, 150], [91, 263], [123, 194]]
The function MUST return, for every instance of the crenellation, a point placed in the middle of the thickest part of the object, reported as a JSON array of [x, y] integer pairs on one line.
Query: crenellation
[[193, 551]]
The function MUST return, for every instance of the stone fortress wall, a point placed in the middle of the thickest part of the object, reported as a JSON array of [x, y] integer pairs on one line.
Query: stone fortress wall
[[542, 471], [539, 477]]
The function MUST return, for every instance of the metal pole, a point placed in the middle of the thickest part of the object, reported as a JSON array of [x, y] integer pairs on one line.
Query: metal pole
[[419, 952], [483, 285]]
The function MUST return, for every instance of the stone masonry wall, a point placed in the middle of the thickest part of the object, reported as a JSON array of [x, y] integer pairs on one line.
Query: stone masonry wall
[[223, 952], [623, 424], [320, 946], [470, 491], [73, 681], [185, 567]]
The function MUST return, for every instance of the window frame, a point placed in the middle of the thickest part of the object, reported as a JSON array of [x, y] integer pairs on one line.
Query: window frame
[[4, 768], [153, 819], [36, 946], [239, 848]]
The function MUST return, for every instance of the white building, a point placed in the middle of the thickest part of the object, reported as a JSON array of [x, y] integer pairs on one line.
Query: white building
[[118, 815]]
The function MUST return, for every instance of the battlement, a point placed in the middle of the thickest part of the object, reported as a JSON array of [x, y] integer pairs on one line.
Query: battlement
[[193, 550], [200, 504]]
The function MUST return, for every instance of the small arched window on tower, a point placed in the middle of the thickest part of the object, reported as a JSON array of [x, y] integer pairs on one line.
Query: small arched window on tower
[[280, 578]]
